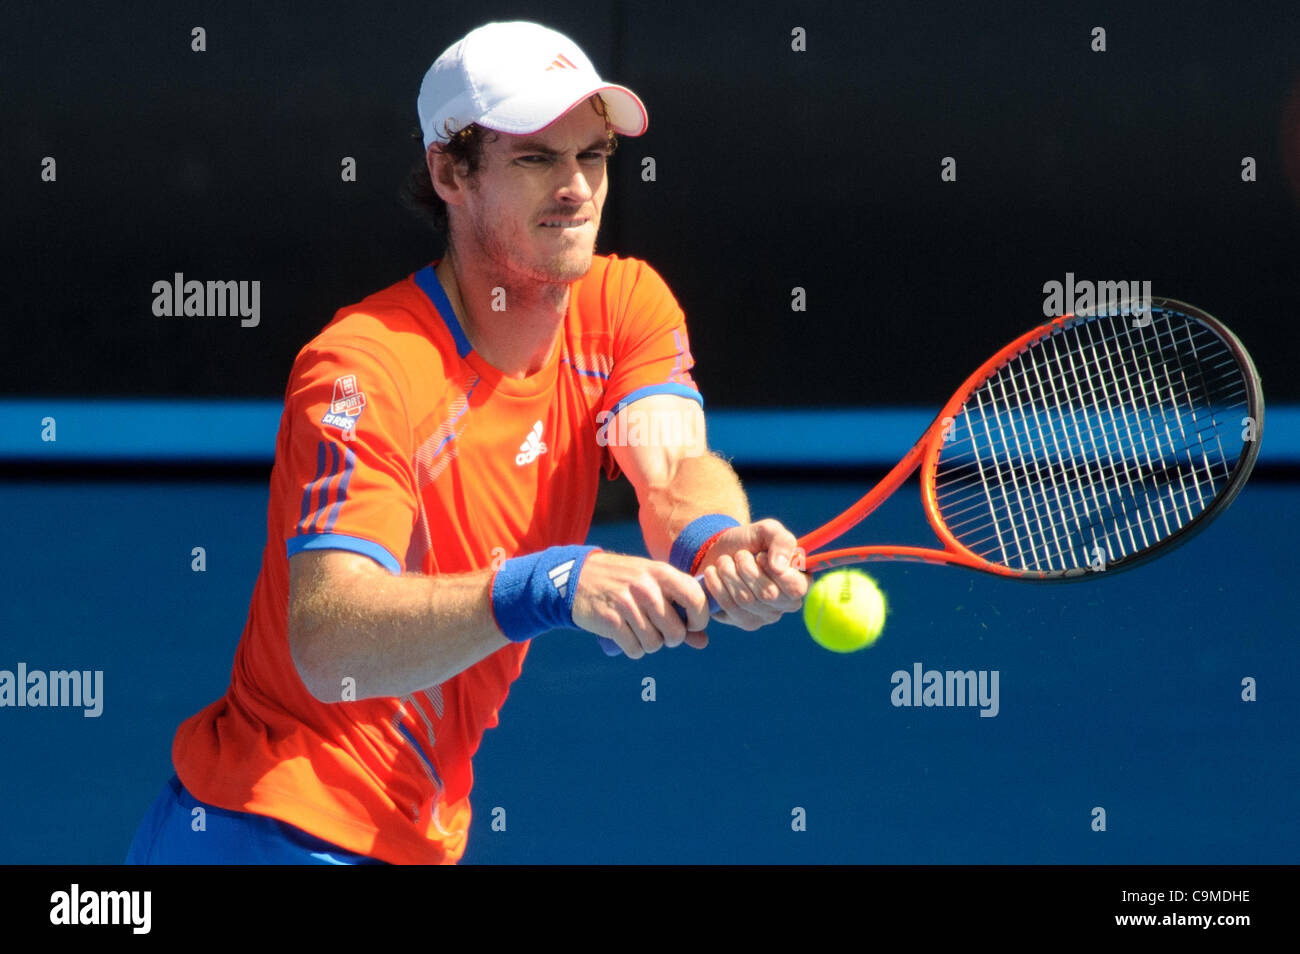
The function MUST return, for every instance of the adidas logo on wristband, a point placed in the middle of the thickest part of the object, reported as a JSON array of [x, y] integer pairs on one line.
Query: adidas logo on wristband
[[560, 577]]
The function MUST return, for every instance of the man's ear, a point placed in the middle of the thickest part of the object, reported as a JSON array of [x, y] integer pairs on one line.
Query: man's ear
[[443, 174]]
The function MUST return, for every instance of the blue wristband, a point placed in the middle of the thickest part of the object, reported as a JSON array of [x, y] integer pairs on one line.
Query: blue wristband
[[533, 594], [694, 535]]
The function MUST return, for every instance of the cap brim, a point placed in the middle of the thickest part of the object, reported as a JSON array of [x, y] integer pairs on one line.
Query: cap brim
[[535, 110]]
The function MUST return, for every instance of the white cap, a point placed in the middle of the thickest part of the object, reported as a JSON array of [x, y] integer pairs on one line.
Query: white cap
[[517, 78]]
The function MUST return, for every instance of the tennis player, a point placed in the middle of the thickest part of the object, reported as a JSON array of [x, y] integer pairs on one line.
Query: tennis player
[[435, 477]]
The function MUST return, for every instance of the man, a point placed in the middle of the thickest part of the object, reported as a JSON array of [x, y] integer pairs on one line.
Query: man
[[436, 472]]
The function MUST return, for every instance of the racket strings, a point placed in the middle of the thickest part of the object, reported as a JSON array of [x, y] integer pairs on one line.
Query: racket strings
[[968, 508], [958, 473], [1098, 441], [1127, 442]]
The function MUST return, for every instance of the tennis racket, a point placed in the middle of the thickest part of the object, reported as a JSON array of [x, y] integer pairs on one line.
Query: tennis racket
[[1089, 445]]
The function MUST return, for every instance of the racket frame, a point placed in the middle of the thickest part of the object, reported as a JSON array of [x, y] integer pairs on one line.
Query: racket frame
[[925, 455]]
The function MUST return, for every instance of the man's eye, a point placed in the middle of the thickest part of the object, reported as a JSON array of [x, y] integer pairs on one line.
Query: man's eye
[[534, 160], [593, 156]]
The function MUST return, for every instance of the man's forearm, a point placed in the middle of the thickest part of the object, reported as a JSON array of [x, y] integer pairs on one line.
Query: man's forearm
[[696, 486], [391, 635]]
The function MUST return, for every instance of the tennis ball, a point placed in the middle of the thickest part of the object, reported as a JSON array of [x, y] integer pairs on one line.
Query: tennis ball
[[844, 611]]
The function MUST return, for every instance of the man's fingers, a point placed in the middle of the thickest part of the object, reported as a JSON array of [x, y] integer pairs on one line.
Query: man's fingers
[[669, 626], [752, 575], [751, 592], [658, 597], [635, 602], [791, 584], [686, 592], [761, 589], [778, 542], [727, 608], [625, 638], [733, 596], [737, 589], [647, 635]]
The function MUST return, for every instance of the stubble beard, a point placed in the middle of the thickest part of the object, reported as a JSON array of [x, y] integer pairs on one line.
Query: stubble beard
[[560, 269]]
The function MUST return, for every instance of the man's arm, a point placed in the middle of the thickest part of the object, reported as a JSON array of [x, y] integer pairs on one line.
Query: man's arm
[[393, 635], [747, 568]]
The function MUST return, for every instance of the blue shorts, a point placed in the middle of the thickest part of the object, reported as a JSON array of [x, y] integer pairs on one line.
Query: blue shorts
[[168, 836]]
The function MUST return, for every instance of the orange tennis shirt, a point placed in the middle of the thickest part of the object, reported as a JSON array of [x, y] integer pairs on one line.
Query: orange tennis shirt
[[400, 442]]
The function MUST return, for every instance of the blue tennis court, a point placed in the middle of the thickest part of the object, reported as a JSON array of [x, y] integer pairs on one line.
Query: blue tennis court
[[1123, 693]]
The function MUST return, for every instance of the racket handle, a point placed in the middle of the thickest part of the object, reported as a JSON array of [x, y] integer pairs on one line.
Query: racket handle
[[611, 647]]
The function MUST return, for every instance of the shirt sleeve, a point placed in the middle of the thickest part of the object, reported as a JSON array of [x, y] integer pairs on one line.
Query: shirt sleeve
[[349, 456], [652, 353]]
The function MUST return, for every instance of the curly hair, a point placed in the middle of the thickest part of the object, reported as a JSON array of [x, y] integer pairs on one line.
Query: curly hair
[[466, 149]]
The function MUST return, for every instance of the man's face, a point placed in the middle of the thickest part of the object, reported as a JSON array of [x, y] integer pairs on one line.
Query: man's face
[[534, 207]]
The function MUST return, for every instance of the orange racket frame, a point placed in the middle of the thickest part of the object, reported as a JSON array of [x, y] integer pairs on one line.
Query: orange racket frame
[[925, 455]]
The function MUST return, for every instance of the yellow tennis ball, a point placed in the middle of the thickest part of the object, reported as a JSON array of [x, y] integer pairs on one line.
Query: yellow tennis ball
[[844, 611]]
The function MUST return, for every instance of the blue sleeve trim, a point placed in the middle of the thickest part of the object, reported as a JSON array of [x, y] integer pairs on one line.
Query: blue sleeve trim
[[679, 389], [427, 279], [341, 541]]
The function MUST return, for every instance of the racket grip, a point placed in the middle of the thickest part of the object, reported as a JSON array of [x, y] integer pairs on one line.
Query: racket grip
[[611, 647]]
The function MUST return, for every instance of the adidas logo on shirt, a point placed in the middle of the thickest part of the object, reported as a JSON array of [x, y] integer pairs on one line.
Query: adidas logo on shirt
[[560, 577], [532, 447]]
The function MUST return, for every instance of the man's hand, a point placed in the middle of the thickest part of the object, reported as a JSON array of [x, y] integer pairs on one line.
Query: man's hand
[[748, 570], [630, 600]]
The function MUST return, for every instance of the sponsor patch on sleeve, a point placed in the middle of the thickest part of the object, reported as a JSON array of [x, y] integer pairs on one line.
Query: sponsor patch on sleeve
[[346, 404]]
